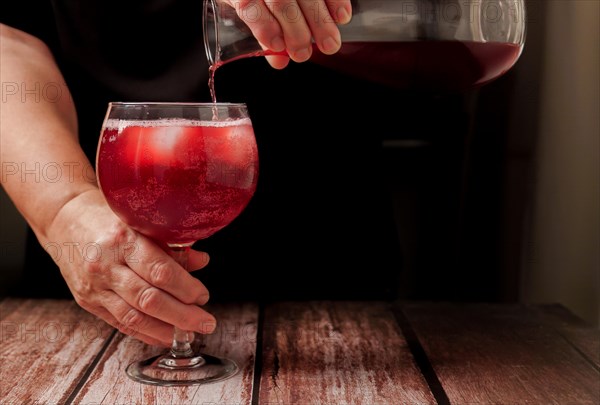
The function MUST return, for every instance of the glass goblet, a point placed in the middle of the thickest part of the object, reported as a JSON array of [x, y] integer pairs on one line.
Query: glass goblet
[[177, 173]]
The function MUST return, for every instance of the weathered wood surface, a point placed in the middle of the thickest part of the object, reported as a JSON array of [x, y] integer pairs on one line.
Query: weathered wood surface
[[573, 329], [53, 352], [46, 348], [337, 353], [498, 354], [235, 338]]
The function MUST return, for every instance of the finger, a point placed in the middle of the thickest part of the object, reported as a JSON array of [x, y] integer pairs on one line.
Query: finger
[[322, 25], [197, 260], [276, 61], [105, 315], [160, 270], [150, 341], [261, 22], [156, 303], [296, 32], [340, 10], [135, 323]]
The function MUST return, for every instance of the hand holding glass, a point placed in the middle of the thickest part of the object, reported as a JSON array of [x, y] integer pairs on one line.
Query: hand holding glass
[[177, 173]]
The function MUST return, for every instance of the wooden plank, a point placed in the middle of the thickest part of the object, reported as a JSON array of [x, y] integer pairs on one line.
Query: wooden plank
[[337, 353], [585, 339], [47, 346], [499, 354], [235, 338]]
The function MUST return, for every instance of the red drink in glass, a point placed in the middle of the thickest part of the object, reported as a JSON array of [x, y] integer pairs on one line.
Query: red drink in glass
[[178, 180], [429, 65]]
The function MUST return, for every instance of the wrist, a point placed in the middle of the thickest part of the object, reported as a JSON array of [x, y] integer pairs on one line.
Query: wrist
[[70, 218]]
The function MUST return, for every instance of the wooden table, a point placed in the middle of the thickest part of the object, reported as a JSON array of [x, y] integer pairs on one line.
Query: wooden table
[[53, 352]]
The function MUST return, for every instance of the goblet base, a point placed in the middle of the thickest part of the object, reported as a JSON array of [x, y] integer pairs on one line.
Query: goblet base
[[167, 370]]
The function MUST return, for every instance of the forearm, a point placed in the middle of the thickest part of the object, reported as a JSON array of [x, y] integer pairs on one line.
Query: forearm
[[126, 278], [43, 166]]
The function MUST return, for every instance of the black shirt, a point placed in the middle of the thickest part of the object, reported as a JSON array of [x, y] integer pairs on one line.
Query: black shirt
[[320, 224]]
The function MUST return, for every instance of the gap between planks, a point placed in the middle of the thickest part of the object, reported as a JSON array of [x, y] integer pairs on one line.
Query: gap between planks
[[90, 369]]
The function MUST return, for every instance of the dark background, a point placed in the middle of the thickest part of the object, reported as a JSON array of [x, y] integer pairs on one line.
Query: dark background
[[431, 189]]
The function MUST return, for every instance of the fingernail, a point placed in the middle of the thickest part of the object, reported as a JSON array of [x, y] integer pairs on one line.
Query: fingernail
[[343, 16], [203, 299], [277, 44], [330, 45], [208, 327], [206, 259], [302, 55]]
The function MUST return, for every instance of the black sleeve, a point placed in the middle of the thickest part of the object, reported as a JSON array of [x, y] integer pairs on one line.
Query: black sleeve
[[35, 17]]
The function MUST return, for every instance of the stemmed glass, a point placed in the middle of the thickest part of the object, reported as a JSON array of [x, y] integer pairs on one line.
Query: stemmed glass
[[177, 173]]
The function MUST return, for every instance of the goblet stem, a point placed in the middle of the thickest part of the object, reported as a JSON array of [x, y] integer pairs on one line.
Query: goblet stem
[[181, 366], [182, 340]]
